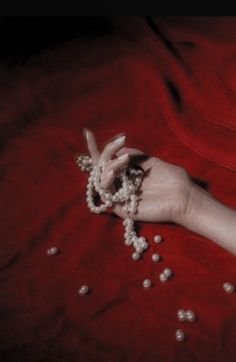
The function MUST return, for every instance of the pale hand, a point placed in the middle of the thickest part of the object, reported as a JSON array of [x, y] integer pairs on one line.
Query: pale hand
[[165, 189]]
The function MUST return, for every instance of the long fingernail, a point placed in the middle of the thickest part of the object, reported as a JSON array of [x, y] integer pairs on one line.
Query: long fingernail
[[120, 140], [123, 157], [86, 133]]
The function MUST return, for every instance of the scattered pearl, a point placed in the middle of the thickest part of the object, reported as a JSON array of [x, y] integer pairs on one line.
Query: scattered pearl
[[163, 277], [181, 314], [167, 272], [155, 257], [228, 287], [52, 251], [157, 239], [135, 255], [84, 289], [147, 283], [179, 335], [190, 315]]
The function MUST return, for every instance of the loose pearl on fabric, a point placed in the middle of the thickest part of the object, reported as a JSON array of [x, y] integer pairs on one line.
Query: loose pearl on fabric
[[155, 257], [179, 335], [84, 289], [163, 278], [181, 314], [228, 287], [167, 272], [147, 283], [157, 239], [52, 251], [190, 316]]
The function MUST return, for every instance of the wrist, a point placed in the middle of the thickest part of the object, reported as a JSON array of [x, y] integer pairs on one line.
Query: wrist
[[195, 199]]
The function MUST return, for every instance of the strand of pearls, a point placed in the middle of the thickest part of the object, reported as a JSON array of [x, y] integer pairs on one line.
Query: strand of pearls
[[131, 180]]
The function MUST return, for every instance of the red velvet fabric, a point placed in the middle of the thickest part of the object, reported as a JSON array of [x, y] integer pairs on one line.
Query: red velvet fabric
[[172, 91]]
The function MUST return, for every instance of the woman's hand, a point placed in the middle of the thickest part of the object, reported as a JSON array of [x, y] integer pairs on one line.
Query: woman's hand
[[167, 193], [165, 190]]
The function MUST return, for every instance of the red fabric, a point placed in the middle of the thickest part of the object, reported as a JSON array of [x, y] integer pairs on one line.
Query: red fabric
[[173, 94]]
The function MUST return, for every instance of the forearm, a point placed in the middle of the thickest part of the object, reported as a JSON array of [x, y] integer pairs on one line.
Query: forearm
[[210, 218]]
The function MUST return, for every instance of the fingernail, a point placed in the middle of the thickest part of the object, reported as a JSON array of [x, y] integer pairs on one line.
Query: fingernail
[[86, 133], [123, 157], [118, 135], [120, 140]]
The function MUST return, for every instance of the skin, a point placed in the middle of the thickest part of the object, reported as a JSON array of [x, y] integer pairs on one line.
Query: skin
[[167, 193]]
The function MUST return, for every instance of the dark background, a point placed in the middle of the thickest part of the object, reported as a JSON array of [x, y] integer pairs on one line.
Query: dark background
[[21, 37]]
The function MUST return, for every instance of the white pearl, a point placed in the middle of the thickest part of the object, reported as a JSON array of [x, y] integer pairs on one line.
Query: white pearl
[[228, 287], [128, 228], [135, 255], [126, 235], [167, 272], [84, 289], [115, 198], [142, 239], [181, 314], [125, 208], [190, 315], [102, 193], [179, 335], [139, 249], [128, 242], [155, 257], [147, 283], [128, 222], [103, 207], [144, 245], [52, 251], [157, 239], [163, 277], [131, 188]]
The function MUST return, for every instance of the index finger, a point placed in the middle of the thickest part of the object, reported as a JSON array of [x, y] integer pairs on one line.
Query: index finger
[[92, 145]]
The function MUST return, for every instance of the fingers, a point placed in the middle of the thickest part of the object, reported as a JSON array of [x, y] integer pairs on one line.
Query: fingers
[[92, 145], [129, 151], [137, 157], [109, 173], [111, 148], [108, 180]]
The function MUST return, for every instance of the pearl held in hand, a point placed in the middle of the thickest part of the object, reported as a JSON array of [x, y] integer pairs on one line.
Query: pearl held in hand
[[181, 314], [179, 335], [126, 194], [84, 289], [228, 287], [147, 283]]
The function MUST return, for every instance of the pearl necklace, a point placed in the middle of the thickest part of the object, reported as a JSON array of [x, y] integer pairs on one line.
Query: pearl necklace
[[131, 179]]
